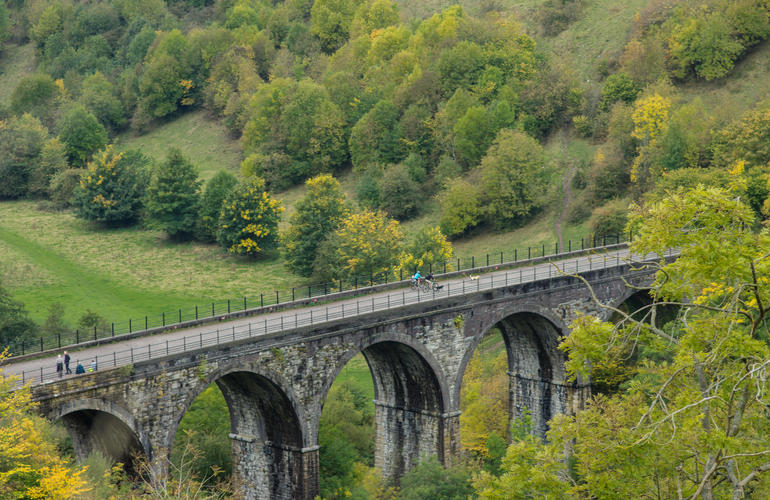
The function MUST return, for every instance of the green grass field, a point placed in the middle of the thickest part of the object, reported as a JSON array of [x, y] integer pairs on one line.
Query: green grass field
[[203, 141]]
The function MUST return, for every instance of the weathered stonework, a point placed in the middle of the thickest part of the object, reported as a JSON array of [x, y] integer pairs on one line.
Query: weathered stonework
[[275, 385]]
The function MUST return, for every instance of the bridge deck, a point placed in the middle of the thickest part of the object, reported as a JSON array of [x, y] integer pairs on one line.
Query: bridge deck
[[156, 346]]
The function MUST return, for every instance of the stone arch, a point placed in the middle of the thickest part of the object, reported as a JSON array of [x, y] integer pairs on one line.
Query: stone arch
[[269, 456], [410, 399], [537, 380], [101, 425]]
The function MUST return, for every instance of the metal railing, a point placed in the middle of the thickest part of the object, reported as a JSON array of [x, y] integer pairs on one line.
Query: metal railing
[[279, 323], [151, 323]]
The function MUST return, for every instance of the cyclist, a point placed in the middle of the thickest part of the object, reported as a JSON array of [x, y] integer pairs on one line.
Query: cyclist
[[417, 278]]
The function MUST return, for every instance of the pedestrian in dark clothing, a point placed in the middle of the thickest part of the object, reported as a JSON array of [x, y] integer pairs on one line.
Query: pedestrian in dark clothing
[[79, 369], [67, 363], [59, 365]]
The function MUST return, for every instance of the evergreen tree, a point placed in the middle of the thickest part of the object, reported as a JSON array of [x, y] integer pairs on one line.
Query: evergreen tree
[[173, 197], [318, 214], [248, 224], [217, 189]]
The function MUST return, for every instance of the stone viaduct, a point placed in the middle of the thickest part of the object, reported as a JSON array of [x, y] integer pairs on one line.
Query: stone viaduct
[[275, 385]]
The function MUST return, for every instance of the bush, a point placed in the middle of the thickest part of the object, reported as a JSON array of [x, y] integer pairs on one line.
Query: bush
[[618, 87], [557, 15], [400, 196], [172, 197], [21, 141], [63, 186], [610, 219]]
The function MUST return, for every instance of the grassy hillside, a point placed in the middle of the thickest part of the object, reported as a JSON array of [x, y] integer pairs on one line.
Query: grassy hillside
[[16, 61], [203, 141]]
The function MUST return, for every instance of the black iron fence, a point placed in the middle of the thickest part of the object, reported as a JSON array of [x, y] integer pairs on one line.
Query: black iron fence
[[172, 318], [288, 320]]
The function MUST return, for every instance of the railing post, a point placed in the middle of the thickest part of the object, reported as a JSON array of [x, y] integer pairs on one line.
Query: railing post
[[458, 263], [228, 306], [77, 334], [487, 260], [212, 310], [163, 319], [180, 315], [355, 283], [277, 298], [529, 253], [581, 243], [569, 246], [515, 254], [129, 325], [340, 285], [244, 302], [145, 322], [94, 332], [113, 329], [292, 294], [473, 261], [309, 292], [261, 300], [196, 311], [41, 344], [543, 251]]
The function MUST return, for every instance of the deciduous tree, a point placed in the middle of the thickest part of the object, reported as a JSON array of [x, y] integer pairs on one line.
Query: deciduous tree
[[173, 196], [248, 224]]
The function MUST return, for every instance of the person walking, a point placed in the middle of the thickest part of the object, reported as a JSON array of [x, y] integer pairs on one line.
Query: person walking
[[59, 365], [67, 363]]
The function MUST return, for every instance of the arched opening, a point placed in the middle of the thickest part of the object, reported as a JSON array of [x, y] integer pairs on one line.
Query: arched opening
[[537, 383], [263, 435], [484, 402], [385, 409], [97, 431]]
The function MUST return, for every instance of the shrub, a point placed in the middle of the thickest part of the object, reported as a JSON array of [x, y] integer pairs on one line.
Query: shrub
[[618, 87], [63, 186], [610, 219]]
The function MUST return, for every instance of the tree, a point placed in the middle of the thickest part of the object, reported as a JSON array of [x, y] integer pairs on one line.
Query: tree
[[52, 160], [366, 244], [15, 325], [430, 479], [5, 23], [248, 224], [173, 196], [112, 188], [30, 463], [98, 96], [428, 251], [618, 87], [36, 95], [376, 137], [318, 214], [82, 134], [461, 208], [511, 177], [330, 21], [691, 421], [218, 188], [400, 195], [21, 141]]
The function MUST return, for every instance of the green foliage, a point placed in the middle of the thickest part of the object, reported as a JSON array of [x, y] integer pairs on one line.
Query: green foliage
[[21, 142], [218, 188], [367, 243], [82, 134], [460, 66], [112, 188], [618, 87], [461, 207], [298, 120], [476, 130], [36, 94], [747, 139], [15, 325], [5, 23], [346, 436], [376, 138], [97, 95], [318, 214], [248, 224], [173, 196], [556, 15], [209, 418], [610, 219], [512, 177], [54, 322], [52, 161], [430, 479], [330, 21], [400, 195], [428, 250], [63, 186]]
